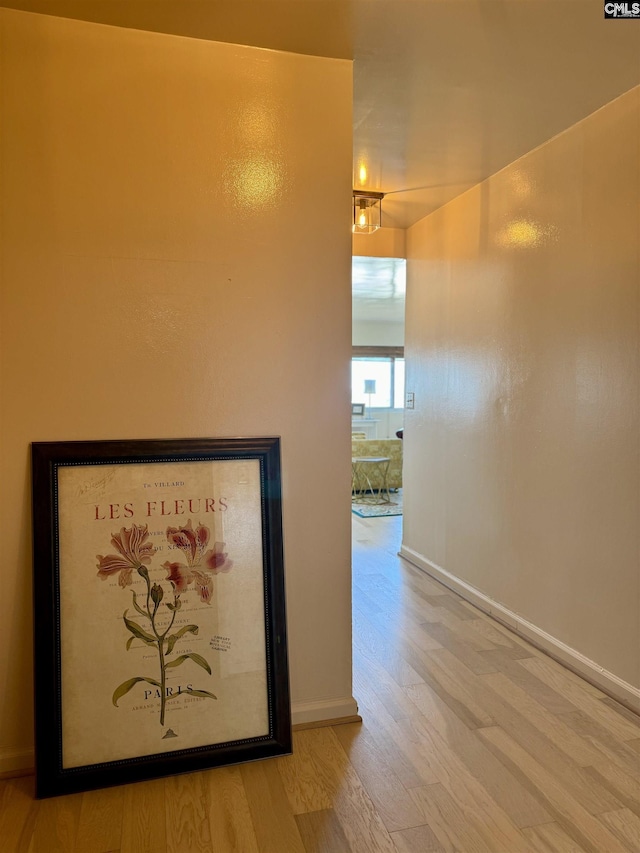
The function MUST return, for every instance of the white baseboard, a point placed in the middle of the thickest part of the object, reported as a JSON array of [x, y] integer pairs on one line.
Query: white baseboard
[[16, 761], [592, 672], [325, 709]]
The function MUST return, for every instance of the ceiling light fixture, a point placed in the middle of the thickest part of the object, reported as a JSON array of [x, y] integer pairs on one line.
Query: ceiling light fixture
[[367, 211]]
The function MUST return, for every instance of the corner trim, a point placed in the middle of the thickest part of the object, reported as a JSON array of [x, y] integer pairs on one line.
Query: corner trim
[[305, 713], [321, 724], [16, 762], [622, 691]]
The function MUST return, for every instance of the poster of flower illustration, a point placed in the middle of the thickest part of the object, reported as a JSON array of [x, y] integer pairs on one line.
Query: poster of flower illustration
[[161, 608]]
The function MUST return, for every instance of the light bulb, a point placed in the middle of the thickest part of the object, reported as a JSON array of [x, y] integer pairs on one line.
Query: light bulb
[[366, 212]]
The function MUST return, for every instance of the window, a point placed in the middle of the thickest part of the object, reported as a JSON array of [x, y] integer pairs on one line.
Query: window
[[377, 377]]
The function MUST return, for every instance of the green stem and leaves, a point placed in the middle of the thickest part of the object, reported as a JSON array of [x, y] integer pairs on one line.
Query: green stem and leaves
[[160, 639]]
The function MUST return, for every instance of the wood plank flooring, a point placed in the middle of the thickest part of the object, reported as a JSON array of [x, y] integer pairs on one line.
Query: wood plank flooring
[[472, 741]]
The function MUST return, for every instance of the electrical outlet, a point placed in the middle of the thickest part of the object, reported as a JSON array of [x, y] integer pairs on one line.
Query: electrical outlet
[[410, 400]]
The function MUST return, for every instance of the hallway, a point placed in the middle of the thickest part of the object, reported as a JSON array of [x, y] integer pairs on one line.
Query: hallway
[[496, 746], [472, 741]]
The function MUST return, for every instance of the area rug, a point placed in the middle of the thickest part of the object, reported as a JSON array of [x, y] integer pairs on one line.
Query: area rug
[[379, 510]]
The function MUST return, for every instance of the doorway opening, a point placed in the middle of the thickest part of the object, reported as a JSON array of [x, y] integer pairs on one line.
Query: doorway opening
[[377, 385]]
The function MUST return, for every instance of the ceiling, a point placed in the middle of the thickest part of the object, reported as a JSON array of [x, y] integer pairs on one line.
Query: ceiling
[[446, 92], [378, 287]]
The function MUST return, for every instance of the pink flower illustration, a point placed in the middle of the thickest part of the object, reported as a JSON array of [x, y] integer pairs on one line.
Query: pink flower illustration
[[156, 609], [216, 559], [203, 585], [179, 575], [191, 542], [133, 551]]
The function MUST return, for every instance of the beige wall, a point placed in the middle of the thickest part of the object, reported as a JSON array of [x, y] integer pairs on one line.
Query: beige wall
[[156, 282], [522, 476]]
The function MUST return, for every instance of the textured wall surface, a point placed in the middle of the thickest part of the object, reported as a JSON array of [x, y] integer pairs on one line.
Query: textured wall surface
[[159, 281], [522, 338]]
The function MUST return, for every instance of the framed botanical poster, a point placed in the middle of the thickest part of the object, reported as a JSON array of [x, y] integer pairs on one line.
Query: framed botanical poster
[[159, 609]]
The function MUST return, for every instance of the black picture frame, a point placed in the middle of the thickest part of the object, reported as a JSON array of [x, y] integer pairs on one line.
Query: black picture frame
[[225, 603], [357, 410]]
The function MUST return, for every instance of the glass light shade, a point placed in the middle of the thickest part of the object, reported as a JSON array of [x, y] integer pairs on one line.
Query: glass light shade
[[366, 212]]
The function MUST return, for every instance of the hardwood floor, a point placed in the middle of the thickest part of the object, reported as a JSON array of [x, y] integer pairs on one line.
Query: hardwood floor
[[472, 741]]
